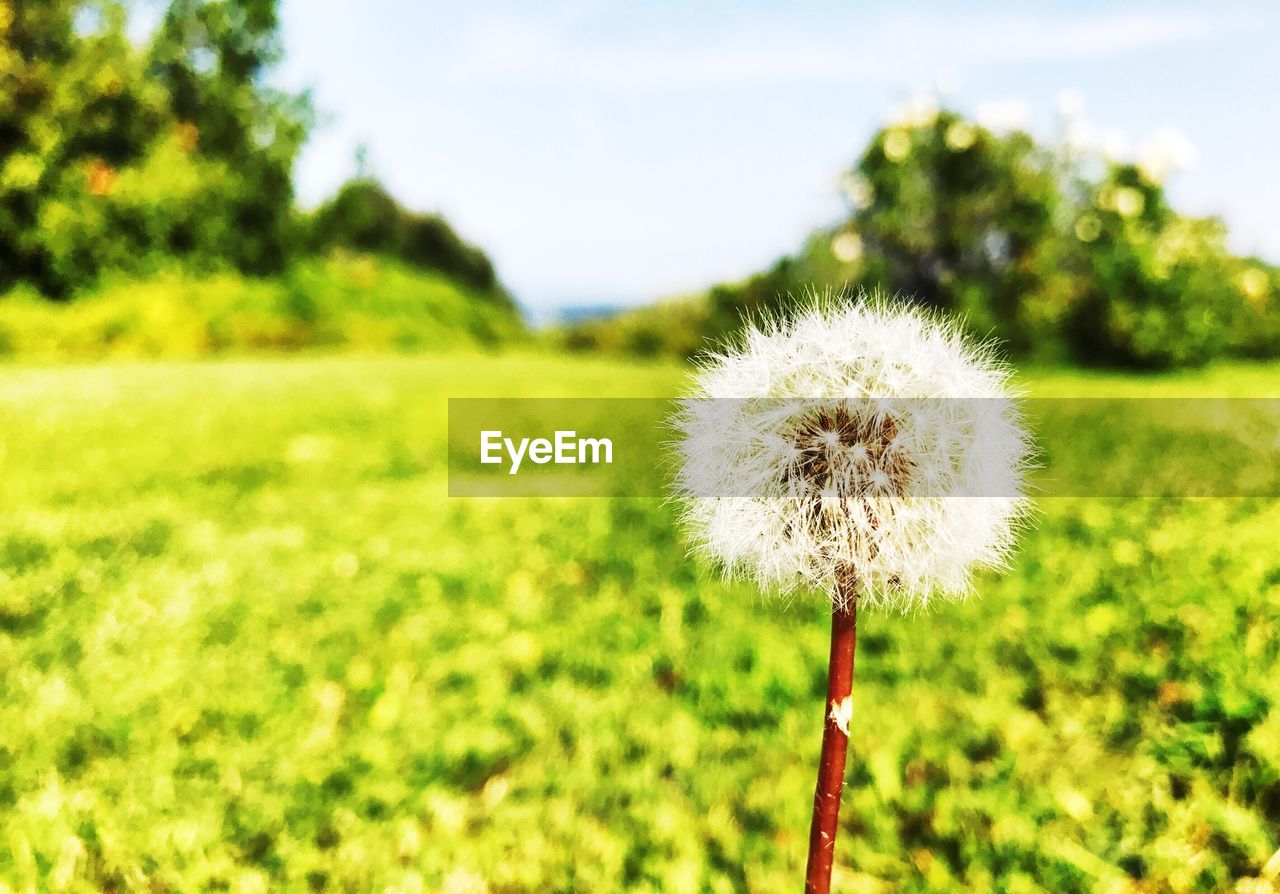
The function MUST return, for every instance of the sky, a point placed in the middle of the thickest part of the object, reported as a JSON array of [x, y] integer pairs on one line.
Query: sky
[[608, 152]]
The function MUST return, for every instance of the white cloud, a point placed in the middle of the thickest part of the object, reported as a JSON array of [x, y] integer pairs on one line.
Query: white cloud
[[1165, 151], [1115, 144], [884, 49], [1070, 104], [1003, 115]]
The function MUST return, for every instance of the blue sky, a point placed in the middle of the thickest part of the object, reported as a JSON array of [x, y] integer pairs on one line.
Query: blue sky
[[611, 152]]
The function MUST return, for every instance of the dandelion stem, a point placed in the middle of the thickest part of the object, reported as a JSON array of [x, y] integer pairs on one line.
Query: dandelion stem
[[835, 741]]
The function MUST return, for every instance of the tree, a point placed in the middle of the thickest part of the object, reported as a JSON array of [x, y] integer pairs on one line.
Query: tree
[[954, 215], [70, 113], [211, 57], [114, 156]]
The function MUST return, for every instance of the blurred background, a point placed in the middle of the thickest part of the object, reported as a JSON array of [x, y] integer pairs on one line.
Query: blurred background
[[249, 247]]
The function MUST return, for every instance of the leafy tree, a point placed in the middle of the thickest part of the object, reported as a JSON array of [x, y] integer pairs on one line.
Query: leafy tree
[[67, 101], [114, 156], [1030, 244], [211, 56], [956, 216]]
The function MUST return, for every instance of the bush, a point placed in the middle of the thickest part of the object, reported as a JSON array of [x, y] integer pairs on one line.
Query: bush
[[671, 328], [363, 216], [352, 300], [1256, 330]]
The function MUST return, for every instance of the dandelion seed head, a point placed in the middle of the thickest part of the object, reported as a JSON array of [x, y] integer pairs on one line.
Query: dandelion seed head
[[857, 441]]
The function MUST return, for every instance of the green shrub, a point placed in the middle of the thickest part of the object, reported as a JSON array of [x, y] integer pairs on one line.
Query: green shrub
[[1152, 288], [355, 300], [671, 328], [363, 216]]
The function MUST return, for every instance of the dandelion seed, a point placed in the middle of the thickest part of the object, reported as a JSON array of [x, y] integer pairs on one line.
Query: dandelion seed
[[935, 420]]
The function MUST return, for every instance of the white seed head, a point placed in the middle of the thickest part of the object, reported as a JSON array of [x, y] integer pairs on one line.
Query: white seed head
[[858, 446]]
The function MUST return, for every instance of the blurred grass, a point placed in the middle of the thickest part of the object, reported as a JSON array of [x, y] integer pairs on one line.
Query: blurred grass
[[352, 300], [247, 644]]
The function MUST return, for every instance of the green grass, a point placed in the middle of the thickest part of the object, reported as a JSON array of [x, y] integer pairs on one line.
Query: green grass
[[248, 644]]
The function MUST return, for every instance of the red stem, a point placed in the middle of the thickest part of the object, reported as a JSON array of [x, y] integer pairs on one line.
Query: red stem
[[826, 800]]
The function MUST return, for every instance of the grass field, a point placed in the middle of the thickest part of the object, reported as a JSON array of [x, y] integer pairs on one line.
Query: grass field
[[248, 644]]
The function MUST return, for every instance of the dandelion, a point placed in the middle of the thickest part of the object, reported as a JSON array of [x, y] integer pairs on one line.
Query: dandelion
[[862, 450]]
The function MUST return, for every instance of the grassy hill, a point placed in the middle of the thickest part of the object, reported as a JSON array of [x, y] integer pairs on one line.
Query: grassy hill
[[248, 644], [362, 301]]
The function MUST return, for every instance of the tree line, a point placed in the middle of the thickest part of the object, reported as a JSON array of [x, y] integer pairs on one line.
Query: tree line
[[1062, 254]]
